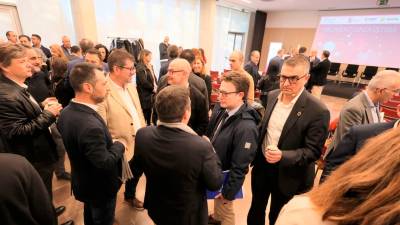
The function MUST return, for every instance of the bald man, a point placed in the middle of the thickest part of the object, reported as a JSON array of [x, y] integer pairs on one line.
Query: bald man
[[178, 74], [236, 63], [252, 66], [66, 45]]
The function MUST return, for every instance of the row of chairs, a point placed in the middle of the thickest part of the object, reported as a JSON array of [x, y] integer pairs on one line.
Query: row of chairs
[[351, 73]]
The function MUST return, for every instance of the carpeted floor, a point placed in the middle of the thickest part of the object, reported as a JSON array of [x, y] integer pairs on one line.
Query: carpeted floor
[[343, 90]]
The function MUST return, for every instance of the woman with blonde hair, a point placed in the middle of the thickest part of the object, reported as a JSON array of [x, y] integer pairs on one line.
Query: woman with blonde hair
[[56, 51], [200, 70], [363, 191]]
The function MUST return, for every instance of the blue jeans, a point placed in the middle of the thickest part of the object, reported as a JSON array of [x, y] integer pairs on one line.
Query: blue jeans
[[99, 213]]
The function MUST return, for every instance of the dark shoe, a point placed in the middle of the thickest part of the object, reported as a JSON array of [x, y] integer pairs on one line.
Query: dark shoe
[[213, 221], [60, 210], [135, 203], [64, 176], [69, 222]]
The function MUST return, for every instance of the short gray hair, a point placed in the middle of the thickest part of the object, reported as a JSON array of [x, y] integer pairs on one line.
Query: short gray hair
[[384, 79]]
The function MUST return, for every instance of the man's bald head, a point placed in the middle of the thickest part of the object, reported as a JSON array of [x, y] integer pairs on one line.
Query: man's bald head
[[178, 72], [236, 60]]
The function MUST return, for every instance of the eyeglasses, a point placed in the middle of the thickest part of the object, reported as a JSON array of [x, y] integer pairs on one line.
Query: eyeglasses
[[291, 79], [131, 69], [397, 91], [174, 71], [226, 93]]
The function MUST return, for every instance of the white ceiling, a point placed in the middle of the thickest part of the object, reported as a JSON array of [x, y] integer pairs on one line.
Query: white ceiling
[[285, 5]]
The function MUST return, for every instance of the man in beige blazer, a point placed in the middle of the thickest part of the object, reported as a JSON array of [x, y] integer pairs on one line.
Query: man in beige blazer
[[122, 112]]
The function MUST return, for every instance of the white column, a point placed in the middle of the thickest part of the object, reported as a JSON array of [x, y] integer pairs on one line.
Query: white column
[[84, 17], [208, 10]]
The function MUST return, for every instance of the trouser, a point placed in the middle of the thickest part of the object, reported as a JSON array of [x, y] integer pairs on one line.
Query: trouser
[[317, 90], [224, 212], [130, 185], [59, 167], [46, 173], [99, 213], [147, 116], [263, 184]]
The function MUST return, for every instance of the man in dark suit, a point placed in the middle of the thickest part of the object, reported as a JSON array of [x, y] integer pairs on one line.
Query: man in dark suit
[[292, 134], [37, 43], [177, 176], [95, 158], [252, 66], [318, 75], [352, 141], [194, 80], [24, 125], [179, 74]]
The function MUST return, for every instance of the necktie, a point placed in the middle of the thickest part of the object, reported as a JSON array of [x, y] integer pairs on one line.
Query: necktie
[[221, 123]]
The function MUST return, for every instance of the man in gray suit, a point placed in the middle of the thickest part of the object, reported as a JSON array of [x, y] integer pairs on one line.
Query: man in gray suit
[[364, 108]]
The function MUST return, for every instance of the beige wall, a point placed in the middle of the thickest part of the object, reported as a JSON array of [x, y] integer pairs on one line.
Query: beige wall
[[84, 19], [290, 38]]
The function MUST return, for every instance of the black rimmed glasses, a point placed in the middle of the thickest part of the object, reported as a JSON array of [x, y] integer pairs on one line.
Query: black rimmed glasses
[[226, 93], [291, 79], [131, 69], [171, 71]]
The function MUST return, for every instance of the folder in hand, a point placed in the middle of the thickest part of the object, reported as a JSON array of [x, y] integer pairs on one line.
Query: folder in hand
[[212, 194]]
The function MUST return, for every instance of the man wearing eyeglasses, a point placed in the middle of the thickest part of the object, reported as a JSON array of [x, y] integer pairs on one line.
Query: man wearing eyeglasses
[[233, 133], [179, 71], [364, 108], [122, 112], [292, 135]]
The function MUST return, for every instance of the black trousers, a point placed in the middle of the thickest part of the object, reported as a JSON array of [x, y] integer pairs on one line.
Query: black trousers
[[130, 185], [46, 173], [147, 115], [99, 213], [264, 182]]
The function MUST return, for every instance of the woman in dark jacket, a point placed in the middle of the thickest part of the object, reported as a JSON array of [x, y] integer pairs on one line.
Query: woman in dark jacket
[[199, 70], [146, 83]]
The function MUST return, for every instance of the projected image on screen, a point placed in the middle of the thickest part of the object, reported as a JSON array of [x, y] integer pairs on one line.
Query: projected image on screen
[[363, 40]]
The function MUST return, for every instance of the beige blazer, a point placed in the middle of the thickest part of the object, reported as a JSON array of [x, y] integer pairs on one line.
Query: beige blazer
[[117, 117]]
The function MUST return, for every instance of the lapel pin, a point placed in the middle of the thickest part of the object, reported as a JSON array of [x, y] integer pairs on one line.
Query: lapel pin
[[298, 114]]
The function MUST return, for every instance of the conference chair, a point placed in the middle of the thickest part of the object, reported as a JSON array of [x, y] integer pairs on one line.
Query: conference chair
[[333, 71], [391, 68], [349, 74], [367, 74]]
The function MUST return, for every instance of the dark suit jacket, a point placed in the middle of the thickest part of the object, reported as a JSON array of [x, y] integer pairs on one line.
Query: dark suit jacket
[[319, 73], [301, 141], [163, 50], [46, 51], [95, 159], [351, 142], [145, 85], [23, 196], [252, 69], [199, 118], [177, 175], [194, 81], [24, 126]]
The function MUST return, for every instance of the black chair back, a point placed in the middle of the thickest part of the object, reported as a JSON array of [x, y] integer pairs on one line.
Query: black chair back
[[369, 72], [390, 68], [351, 70], [334, 69]]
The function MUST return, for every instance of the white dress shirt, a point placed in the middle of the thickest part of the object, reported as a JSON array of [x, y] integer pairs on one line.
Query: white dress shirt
[[277, 120], [127, 99]]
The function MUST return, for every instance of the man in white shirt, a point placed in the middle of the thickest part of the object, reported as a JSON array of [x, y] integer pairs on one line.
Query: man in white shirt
[[122, 112], [292, 134]]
